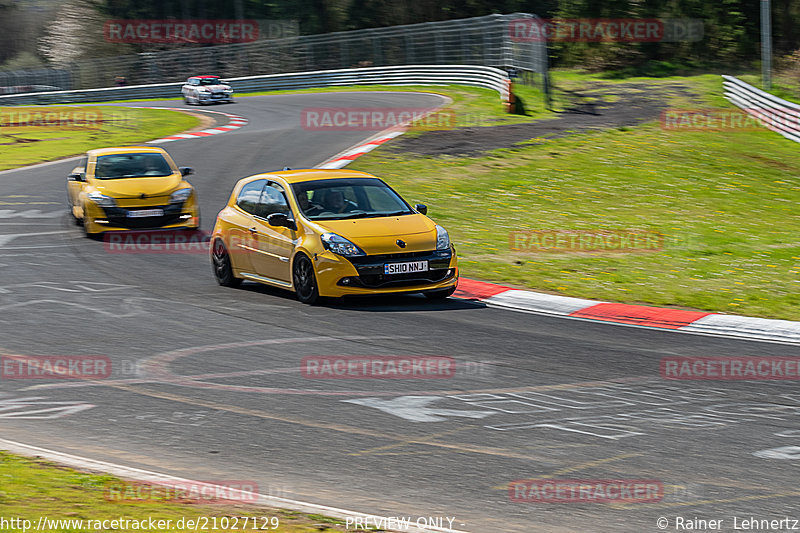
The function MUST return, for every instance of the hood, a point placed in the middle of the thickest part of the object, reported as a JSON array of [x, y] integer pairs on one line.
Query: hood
[[379, 235], [216, 88], [134, 187]]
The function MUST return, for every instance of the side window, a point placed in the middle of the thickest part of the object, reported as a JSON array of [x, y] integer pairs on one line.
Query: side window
[[250, 196], [273, 201]]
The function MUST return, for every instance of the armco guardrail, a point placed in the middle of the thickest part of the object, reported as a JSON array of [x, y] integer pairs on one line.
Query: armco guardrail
[[477, 76], [775, 113]]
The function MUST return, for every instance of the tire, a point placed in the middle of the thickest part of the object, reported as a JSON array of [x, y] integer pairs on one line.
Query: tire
[[305, 280], [186, 100], [223, 268], [440, 294]]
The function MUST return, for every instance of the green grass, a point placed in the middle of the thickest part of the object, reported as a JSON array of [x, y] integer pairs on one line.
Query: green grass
[[33, 488], [20, 146], [727, 201]]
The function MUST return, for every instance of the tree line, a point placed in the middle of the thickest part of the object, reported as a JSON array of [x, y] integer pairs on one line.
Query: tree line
[[731, 27]]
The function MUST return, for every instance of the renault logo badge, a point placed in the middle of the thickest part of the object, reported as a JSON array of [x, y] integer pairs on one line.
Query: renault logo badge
[[401, 243]]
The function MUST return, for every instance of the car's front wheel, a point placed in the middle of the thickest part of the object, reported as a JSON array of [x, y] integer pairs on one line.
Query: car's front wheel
[[305, 282], [223, 268]]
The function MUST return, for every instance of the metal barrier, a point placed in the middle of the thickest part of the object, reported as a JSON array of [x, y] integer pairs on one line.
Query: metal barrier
[[484, 41], [471, 75], [775, 113]]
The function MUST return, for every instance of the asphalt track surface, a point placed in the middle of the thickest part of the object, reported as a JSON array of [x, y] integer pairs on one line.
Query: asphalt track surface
[[219, 395]]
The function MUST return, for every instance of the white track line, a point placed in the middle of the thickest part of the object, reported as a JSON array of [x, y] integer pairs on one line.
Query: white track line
[[137, 474]]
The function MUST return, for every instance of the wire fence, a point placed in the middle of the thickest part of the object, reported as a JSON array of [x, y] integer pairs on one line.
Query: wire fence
[[484, 41]]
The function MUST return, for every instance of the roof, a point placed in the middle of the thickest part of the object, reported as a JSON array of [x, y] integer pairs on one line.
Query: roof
[[206, 76], [125, 150], [309, 174]]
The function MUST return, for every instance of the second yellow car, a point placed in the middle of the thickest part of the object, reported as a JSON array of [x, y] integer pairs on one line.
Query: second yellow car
[[131, 187], [330, 233]]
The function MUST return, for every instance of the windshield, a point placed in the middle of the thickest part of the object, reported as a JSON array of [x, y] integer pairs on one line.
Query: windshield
[[131, 166], [348, 198], [209, 81]]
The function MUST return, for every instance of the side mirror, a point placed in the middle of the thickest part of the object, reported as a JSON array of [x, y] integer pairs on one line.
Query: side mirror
[[422, 208], [75, 176], [185, 171], [281, 220]]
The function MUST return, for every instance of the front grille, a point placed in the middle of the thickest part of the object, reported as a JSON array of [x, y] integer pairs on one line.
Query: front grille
[[389, 258], [118, 217], [370, 269], [375, 281]]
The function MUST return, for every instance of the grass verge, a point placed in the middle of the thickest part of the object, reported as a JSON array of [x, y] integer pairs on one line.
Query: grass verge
[[725, 200], [28, 136], [33, 489]]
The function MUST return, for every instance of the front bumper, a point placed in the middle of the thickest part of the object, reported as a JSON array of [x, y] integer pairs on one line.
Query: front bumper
[[339, 276], [215, 97], [101, 219]]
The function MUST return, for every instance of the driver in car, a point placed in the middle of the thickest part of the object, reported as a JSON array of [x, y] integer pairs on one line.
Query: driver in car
[[336, 203], [309, 208]]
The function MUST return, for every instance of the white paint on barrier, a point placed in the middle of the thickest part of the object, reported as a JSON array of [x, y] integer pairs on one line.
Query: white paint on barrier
[[539, 303], [745, 326]]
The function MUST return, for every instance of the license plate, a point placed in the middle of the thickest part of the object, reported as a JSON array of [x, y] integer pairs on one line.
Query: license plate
[[146, 213], [405, 268]]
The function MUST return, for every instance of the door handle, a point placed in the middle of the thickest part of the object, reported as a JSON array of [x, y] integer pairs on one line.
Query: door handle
[[253, 231]]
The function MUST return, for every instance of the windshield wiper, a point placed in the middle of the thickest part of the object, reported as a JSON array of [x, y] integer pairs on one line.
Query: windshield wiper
[[392, 214]]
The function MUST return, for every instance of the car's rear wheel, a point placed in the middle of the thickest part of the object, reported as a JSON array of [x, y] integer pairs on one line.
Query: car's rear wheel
[[186, 100], [223, 268], [305, 281], [440, 294]]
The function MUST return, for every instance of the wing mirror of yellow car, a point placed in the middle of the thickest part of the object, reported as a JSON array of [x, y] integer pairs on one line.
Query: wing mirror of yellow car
[[281, 220], [185, 171], [75, 176], [421, 208]]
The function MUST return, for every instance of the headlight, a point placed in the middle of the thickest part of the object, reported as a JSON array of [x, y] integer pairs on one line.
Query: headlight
[[180, 196], [339, 245], [442, 238], [101, 199], [228, 90]]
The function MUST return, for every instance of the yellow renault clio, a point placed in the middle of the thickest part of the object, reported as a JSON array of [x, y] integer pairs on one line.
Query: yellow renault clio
[[132, 187], [330, 233]]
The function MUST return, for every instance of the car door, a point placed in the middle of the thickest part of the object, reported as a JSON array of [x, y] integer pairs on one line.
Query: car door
[[275, 244], [242, 243]]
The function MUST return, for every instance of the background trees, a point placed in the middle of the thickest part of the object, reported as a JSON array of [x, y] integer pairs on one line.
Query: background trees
[[51, 30]]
